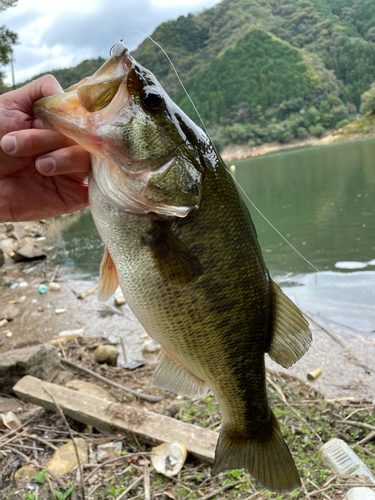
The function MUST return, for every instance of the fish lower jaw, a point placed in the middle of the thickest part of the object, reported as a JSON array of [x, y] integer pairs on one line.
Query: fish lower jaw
[[133, 202]]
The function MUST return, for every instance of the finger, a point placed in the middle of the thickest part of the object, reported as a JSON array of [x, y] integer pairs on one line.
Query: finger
[[32, 92], [33, 142], [71, 160]]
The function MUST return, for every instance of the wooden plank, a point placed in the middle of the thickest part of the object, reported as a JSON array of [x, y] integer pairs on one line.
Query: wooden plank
[[151, 427]]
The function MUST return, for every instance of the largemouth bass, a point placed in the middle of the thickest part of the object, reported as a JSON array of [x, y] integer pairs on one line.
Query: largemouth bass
[[181, 243]]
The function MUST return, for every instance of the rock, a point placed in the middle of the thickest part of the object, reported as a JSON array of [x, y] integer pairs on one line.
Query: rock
[[106, 354], [30, 249], [8, 245], [10, 404], [41, 361], [10, 312], [65, 458], [90, 389], [18, 232], [25, 473]]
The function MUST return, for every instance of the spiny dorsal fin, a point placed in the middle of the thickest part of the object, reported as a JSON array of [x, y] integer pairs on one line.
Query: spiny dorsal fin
[[291, 335], [108, 280], [175, 261], [174, 377]]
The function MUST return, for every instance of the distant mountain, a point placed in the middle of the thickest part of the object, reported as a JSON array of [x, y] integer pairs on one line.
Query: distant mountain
[[262, 70]]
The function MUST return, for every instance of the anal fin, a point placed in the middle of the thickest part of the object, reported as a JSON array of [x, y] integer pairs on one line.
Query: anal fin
[[108, 280], [291, 335], [173, 377]]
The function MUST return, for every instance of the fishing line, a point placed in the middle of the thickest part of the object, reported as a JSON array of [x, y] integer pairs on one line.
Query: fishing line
[[178, 77], [239, 185], [295, 249]]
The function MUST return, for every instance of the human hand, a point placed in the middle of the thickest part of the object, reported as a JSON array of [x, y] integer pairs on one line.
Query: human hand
[[42, 173]]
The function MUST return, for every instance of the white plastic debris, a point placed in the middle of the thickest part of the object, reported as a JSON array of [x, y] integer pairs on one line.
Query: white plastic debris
[[22, 299], [66, 336], [150, 346], [106, 449], [3, 322], [169, 458], [360, 493], [23, 284], [10, 420], [342, 459], [55, 287], [60, 311]]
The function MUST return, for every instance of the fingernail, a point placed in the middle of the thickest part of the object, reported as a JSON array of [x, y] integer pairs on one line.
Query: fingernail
[[9, 144], [46, 164]]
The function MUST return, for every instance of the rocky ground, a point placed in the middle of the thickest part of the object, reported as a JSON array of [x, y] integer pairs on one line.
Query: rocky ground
[[310, 412]]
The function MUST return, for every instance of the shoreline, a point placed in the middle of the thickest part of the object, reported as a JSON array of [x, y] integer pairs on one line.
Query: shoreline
[[242, 151]]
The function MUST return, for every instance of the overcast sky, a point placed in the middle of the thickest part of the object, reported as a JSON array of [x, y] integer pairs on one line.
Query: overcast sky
[[61, 34]]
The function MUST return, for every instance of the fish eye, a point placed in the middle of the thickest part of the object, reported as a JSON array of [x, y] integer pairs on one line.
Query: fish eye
[[153, 100]]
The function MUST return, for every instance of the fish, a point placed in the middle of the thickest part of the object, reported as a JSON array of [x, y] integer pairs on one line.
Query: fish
[[181, 243]]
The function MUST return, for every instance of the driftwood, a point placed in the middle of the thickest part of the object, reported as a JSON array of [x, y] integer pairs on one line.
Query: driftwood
[[151, 427], [146, 397]]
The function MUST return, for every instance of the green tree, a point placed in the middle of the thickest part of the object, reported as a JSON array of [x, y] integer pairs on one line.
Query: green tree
[[368, 100], [7, 38]]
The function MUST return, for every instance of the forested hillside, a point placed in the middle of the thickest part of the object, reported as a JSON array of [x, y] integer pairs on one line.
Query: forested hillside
[[261, 70]]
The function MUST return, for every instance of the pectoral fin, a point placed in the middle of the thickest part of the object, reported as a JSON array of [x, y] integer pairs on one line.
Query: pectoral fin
[[174, 260], [291, 335], [174, 377], [108, 280]]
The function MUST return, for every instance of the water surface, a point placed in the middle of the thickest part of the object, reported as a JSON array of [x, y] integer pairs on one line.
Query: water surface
[[322, 200]]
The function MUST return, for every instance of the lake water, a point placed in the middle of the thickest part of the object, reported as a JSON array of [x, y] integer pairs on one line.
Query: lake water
[[322, 200]]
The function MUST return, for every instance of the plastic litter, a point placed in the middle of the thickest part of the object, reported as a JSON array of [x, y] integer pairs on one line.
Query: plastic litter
[[66, 336], [169, 458], [8, 333], [60, 311], [55, 287], [120, 301], [1, 341], [23, 284], [150, 346], [3, 322], [342, 459], [10, 420], [22, 299], [15, 285], [360, 493], [314, 374], [43, 289]]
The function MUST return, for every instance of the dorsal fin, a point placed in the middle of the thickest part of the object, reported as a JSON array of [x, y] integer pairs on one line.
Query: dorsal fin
[[291, 335], [108, 280]]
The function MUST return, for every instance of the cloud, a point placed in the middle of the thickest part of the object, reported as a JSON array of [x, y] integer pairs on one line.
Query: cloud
[[99, 29], [52, 39]]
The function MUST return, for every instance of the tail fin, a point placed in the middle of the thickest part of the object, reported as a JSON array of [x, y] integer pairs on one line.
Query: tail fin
[[265, 456]]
